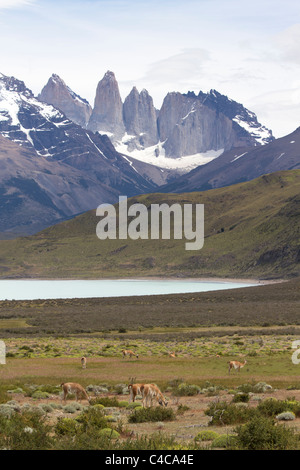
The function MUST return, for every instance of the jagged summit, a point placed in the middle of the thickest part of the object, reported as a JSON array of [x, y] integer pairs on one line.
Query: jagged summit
[[13, 84], [57, 93], [200, 127], [107, 115], [139, 117]]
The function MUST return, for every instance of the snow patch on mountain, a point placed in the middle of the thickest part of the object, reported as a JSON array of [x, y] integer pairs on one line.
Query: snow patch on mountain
[[155, 155], [260, 133]]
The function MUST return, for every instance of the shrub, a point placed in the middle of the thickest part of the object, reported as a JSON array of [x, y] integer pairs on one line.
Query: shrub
[[286, 416], [262, 434], [241, 398], [224, 441], [7, 411], [206, 436], [223, 413], [24, 432], [123, 404], [134, 404], [69, 409], [152, 414], [108, 432], [47, 408], [272, 407], [92, 418], [38, 394], [181, 409], [186, 390], [51, 389], [262, 387], [105, 401], [245, 388], [36, 410], [120, 388], [66, 427], [16, 390]]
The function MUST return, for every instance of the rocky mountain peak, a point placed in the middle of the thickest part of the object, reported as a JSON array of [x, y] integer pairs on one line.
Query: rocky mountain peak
[[140, 119], [15, 85], [107, 115], [58, 94]]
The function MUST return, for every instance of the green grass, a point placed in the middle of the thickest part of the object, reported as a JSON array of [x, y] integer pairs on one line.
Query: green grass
[[13, 323], [277, 369], [251, 229]]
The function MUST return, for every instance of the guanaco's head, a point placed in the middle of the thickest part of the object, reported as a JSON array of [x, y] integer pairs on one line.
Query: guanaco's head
[[163, 402]]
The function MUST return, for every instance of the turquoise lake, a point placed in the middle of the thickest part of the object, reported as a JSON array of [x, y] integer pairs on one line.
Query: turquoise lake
[[70, 289]]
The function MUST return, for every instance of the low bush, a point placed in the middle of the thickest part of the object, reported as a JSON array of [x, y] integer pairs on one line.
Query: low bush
[[92, 418], [152, 414], [206, 436], [69, 409], [261, 433], [286, 416], [272, 407], [110, 433], [105, 401], [66, 427], [223, 413], [39, 394], [224, 441], [241, 398], [181, 409], [26, 431], [186, 390]]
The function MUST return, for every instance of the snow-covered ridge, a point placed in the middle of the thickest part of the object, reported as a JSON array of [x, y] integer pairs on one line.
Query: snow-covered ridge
[[260, 133], [18, 107]]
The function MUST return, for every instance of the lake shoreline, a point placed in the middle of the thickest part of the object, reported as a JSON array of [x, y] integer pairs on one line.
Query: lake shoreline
[[33, 289], [253, 281]]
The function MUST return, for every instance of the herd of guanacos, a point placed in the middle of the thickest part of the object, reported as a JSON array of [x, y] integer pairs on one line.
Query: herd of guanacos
[[149, 392]]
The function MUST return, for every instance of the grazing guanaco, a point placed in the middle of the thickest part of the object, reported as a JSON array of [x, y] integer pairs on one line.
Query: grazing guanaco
[[83, 362], [74, 388], [236, 365], [128, 352], [151, 392], [172, 354]]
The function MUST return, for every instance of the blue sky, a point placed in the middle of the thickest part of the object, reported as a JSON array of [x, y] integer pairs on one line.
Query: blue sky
[[246, 50]]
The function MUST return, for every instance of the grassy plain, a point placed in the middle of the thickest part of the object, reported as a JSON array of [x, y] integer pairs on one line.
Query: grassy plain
[[45, 340]]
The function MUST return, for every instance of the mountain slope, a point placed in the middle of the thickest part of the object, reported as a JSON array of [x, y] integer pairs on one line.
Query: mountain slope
[[241, 164], [44, 142], [251, 230]]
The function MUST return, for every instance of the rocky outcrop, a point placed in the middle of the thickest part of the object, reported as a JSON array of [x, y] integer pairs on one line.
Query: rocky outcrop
[[57, 93], [187, 127], [190, 124], [140, 119], [107, 115]]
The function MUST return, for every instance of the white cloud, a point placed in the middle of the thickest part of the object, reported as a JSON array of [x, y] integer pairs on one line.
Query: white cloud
[[288, 44], [7, 4]]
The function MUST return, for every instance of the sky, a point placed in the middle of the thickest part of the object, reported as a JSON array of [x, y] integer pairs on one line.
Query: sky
[[246, 50]]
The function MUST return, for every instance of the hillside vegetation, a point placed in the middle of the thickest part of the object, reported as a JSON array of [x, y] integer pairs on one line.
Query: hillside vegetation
[[251, 230]]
